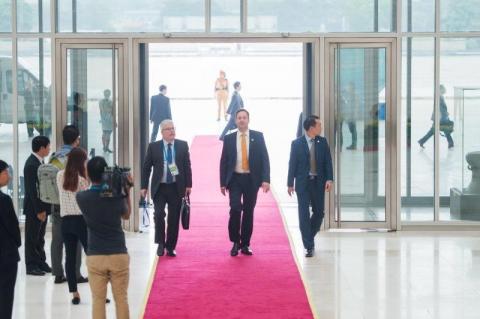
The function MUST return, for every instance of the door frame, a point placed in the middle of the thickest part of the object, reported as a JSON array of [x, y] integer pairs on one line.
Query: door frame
[[392, 178], [121, 81]]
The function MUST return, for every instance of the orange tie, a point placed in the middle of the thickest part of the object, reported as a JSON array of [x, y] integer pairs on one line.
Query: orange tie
[[244, 153]]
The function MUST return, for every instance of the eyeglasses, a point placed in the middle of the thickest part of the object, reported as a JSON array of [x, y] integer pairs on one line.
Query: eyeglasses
[[169, 129]]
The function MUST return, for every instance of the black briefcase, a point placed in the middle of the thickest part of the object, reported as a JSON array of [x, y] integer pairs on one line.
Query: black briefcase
[[185, 212]]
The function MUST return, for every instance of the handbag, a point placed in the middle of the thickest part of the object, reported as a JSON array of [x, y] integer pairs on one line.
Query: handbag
[[185, 212], [446, 126]]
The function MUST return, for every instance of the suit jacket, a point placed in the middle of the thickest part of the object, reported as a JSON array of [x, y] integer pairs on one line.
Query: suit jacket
[[258, 160], [160, 108], [10, 238], [235, 104], [154, 158], [32, 203], [299, 163]]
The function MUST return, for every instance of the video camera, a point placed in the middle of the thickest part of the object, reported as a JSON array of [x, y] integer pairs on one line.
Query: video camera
[[115, 182]]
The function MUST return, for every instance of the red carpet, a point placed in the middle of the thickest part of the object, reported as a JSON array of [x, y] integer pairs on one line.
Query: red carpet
[[204, 281]]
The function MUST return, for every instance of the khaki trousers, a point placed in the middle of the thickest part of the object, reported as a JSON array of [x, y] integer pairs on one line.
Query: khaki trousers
[[103, 269]]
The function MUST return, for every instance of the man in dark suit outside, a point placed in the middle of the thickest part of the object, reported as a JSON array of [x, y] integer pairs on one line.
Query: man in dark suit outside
[[244, 168], [35, 210], [310, 167], [159, 110], [171, 181], [10, 240], [235, 104]]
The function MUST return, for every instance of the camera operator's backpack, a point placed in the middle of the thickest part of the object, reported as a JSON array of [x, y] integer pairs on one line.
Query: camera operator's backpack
[[47, 179]]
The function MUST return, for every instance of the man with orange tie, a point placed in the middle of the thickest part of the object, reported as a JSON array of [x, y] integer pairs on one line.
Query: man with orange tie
[[244, 168]]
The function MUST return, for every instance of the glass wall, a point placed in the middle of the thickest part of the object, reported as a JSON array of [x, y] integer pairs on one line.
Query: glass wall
[[417, 161], [321, 16], [459, 116], [6, 124], [459, 15], [418, 15], [459, 59], [131, 16], [225, 16], [34, 97], [6, 16], [33, 16]]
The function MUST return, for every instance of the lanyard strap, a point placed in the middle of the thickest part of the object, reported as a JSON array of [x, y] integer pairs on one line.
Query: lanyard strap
[[97, 188]]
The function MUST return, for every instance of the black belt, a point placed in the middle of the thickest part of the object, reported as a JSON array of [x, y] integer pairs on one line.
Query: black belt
[[312, 177], [235, 173]]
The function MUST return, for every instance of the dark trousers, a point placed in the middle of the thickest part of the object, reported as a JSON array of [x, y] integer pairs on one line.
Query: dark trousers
[[8, 277], [230, 126], [56, 246], [34, 241], [74, 229], [167, 194], [352, 127], [430, 133], [243, 197], [310, 224], [153, 138]]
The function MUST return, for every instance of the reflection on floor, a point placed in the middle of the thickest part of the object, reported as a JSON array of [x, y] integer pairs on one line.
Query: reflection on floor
[[416, 275]]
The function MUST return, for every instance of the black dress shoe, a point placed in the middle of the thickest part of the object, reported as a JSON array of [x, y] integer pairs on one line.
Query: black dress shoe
[[60, 279], [35, 272], [235, 249], [171, 252], [45, 268], [76, 300], [246, 251], [82, 280], [310, 252], [160, 250]]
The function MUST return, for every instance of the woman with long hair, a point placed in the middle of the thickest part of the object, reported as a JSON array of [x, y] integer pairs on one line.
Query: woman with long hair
[[70, 181], [221, 93]]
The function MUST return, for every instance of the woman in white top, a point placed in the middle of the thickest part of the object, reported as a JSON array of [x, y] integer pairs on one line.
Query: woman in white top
[[70, 181]]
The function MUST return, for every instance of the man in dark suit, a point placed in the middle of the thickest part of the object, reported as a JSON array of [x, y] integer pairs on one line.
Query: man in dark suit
[[171, 181], [10, 240], [244, 168], [235, 104], [159, 110], [310, 166], [35, 210]]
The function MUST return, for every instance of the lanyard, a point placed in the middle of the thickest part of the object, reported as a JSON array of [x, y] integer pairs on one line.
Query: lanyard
[[96, 188]]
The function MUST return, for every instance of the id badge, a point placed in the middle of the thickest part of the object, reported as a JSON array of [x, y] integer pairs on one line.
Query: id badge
[[173, 169]]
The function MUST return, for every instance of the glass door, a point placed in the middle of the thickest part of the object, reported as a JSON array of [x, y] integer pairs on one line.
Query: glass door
[[360, 109], [93, 98]]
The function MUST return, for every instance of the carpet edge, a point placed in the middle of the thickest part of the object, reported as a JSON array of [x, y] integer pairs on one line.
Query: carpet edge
[[146, 297], [295, 258]]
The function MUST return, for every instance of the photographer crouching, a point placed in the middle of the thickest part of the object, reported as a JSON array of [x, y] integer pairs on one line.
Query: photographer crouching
[[107, 257]]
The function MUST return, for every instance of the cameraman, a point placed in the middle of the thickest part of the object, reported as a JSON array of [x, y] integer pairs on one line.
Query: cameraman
[[107, 257]]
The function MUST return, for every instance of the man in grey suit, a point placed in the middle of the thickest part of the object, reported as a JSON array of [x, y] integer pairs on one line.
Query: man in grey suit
[[159, 110], [310, 166], [235, 104], [171, 181]]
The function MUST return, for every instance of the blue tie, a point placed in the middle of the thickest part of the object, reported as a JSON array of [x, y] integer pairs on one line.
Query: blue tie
[[169, 161]]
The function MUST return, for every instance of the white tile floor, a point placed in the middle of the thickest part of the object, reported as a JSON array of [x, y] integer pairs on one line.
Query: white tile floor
[[353, 275]]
